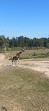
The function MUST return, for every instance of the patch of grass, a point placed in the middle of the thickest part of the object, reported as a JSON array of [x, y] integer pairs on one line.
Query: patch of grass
[[43, 85], [28, 54], [23, 90]]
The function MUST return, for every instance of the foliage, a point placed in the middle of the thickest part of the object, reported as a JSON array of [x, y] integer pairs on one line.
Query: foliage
[[22, 41]]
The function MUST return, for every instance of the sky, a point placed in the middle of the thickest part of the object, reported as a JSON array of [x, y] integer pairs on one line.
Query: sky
[[28, 18]]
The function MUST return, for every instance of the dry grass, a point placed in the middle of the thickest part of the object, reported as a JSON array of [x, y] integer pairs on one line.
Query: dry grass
[[23, 90]]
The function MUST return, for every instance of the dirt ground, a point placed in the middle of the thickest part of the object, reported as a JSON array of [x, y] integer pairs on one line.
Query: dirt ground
[[38, 64]]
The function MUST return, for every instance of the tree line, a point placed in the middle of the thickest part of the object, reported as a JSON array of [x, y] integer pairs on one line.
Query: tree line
[[22, 41]]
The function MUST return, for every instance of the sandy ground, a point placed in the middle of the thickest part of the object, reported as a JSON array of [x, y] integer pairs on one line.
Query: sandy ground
[[41, 65]]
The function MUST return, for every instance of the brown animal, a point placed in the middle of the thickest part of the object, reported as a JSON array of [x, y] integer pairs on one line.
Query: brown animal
[[16, 57]]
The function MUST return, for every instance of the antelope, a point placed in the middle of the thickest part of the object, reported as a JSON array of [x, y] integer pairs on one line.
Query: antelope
[[16, 57]]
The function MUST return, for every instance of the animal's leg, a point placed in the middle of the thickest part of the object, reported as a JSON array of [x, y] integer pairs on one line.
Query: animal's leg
[[15, 62], [12, 62], [18, 60]]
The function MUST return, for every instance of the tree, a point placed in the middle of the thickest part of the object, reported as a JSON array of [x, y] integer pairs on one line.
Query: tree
[[1, 41], [21, 41], [26, 41]]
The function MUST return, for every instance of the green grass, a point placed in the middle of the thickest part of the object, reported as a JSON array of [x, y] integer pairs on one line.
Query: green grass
[[28, 54], [23, 90]]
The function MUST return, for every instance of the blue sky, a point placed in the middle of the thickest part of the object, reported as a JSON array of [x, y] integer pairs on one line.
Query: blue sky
[[29, 18]]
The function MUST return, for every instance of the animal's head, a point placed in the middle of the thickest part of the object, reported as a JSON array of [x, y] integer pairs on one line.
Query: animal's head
[[22, 50]]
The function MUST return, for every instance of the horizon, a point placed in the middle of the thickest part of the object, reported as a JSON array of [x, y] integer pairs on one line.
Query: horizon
[[24, 18], [23, 37]]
